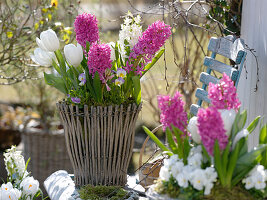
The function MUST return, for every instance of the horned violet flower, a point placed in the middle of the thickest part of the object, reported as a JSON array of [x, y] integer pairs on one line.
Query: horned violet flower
[[211, 128], [82, 78], [119, 81], [86, 29], [76, 100], [223, 95], [99, 59], [148, 44], [172, 111]]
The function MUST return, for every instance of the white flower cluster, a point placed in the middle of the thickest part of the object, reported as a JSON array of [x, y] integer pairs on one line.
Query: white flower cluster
[[189, 174], [130, 31], [24, 187], [256, 178]]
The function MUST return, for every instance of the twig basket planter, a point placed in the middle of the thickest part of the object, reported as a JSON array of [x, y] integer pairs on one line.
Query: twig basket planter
[[99, 141]]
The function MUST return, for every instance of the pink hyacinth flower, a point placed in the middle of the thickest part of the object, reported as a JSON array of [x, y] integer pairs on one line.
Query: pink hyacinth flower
[[172, 111], [211, 128]]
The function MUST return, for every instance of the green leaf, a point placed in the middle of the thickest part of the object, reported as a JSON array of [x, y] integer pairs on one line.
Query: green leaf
[[225, 157], [246, 162], [218, 163], [56, 82], [97, 87], [263, 135], [154, 60], [156, 140], [56, 67], [171, 142], [253, 124], [178, 134], [205, 153], [137, 89], [187, 148], [242, 120]]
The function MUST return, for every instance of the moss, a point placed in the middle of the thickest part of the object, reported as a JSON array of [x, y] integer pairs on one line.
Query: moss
[[220, 193], [102, 192]]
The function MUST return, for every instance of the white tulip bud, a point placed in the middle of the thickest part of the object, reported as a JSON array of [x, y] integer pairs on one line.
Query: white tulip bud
[[193, 129], [239, 136], [42, 57], [73, 54], [48, 41], [228, 117]]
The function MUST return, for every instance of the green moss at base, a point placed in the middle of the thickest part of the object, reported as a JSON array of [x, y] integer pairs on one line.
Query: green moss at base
[[90, 192]]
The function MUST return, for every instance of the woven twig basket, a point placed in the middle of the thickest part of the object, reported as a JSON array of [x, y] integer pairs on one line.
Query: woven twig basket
[[47, 151], [99, 142]]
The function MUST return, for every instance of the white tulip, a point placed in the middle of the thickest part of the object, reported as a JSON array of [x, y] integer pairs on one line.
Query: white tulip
[[239, 136], [48, 40], [73, 54], [192, 128], [43, 58], [228, 117], [30, 186]]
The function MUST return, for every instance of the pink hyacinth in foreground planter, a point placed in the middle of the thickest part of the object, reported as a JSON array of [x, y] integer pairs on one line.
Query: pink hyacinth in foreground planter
[[172, 111], [211, 128]]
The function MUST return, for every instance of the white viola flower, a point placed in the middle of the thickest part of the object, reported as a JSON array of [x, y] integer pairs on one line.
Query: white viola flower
[[164, 174], [208, 188], [239, 136], [195, 160], [48, 40], [121, 73], [259, 181], [8, 192], [182, 180], [112, 52], [249, 182], [73, 54], [42, 57], [198, 179], [171, 161], [211, 174], [176, 168], [193, 129], [119, 81], [195, 150], [228, 117], [30, 186]]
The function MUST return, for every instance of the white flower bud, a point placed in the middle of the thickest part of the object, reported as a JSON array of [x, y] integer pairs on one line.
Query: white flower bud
[[192, 128], [73, 54], [228, 117]]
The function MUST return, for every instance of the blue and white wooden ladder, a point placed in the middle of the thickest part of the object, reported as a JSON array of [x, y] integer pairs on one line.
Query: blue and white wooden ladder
[[229, 47]]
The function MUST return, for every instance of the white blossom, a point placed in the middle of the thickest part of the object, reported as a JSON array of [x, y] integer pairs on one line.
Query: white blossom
[[256, 178], [182, 179], [198, 179], [42, 57], [48, 40], [195, 160], [112, 53], [8, 192], [228, 117], [193, 129], [30, 186], [164, 174], [176, 168], [73, 54]]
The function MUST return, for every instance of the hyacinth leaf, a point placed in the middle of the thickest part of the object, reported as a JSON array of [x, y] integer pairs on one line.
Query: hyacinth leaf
[[225, 157], [56, 82], [253, 124], [218, 162], [205, 153], [263, 135], [178, 134], [242, 120], [154, 60], [244, 148], [232, 161], [117, 55], [61, 61], [137, 89], [247, 162], [171, 142], [157, 141], [187, 148], [97, 87]]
